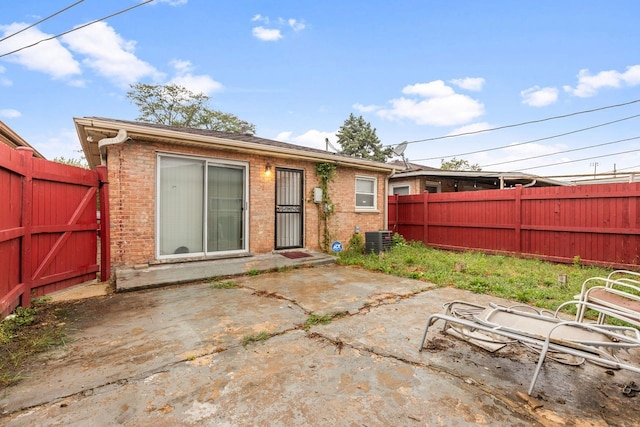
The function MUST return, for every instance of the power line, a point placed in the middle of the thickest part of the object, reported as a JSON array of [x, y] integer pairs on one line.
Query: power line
[[533, 140], [77, 28], [41, 21], [580, 160], [523, 123], [624, 169], [562, 152]]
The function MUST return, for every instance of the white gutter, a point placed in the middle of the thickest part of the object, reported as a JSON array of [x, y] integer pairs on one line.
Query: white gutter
[[118, 139]]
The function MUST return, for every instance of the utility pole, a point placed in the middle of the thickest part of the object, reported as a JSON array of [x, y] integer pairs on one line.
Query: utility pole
[[595, 168]]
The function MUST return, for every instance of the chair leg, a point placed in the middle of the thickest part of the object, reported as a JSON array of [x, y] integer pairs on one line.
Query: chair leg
[[543, 354], [430, 321]]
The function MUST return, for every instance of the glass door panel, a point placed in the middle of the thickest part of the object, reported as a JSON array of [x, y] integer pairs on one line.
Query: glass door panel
[[180, 214], [225, 208]]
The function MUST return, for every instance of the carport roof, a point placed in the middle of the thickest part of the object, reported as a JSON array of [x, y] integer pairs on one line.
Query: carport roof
[[482, 176], [93, 129]]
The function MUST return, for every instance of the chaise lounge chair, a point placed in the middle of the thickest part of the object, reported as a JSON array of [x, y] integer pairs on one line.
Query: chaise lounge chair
[[539, 329], [617, 295]]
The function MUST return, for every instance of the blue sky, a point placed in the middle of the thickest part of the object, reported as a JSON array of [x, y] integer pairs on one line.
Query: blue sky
[[415, 70]]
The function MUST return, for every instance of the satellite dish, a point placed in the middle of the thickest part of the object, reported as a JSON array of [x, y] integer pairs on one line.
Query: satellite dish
[[398, 150]]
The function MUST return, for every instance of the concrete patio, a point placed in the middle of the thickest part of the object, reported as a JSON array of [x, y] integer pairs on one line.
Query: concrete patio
[[198, 355]]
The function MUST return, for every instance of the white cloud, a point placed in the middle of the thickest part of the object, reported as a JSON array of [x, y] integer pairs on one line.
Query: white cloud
[[469, 83], [434, 89], [266, 34], [296, 25], [58, 143], [511, 158], [283, 136], [275, 32], [10, 113], [589, 84], [197, 84], [539, 97], [109, 55], [366, 108], [442, 106], [474, 127], [48, 57], [312, 138]]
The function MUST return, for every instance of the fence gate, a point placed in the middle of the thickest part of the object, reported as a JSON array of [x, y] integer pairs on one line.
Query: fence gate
[[48, 227], [289, 199]]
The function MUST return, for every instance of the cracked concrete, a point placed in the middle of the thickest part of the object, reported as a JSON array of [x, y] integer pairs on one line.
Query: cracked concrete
[[174, 356]]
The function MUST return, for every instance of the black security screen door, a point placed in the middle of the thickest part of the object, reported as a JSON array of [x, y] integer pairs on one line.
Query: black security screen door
[[289, 198]]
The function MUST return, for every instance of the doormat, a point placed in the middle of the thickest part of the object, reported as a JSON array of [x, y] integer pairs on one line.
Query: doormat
[[295, 255]]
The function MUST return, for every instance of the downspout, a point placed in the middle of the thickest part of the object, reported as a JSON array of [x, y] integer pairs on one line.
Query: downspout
[[118, 139], [531, 184], [385, 225]]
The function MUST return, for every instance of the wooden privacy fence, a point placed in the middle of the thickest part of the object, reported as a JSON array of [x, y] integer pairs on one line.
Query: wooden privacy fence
[[595, 224], [48, 226]]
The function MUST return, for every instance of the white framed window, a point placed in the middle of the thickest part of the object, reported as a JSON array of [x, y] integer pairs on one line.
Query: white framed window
[[366, 189], [401, 189], [201, 206]]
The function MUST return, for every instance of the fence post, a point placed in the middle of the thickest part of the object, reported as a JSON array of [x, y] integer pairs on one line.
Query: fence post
[[425, 218], [26, 224], [518, 219], [105, 234]]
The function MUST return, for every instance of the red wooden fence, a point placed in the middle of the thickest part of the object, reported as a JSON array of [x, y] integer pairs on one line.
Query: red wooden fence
[[600, 224], [48, 227]]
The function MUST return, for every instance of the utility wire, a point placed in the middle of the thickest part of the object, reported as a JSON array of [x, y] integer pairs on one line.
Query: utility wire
[[524, 123], [624, 169], [41, 21], [561, 152], [580, 160], [531, 141], [77, 28]]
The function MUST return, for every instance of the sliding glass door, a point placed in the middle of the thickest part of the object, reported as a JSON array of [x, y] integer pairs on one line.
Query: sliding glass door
[[201, 207], [225, 231]]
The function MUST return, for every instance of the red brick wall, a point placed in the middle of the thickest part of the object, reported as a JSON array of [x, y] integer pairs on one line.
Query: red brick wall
[[132, 179]]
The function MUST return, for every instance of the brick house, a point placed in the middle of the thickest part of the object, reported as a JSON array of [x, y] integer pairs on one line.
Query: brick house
[[182, 194]]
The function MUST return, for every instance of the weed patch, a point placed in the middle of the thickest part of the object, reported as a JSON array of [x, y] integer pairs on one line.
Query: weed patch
[[27, 332], [314, 320], [259, 337], [224, 285]]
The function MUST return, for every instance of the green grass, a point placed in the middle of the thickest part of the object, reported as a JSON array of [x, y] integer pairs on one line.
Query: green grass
[[315, 319], [29, 331], [529, 281], [259, 337], [224, 285]]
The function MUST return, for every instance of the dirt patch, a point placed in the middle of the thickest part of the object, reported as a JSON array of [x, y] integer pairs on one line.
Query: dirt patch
[[437, 344], [31, 331]]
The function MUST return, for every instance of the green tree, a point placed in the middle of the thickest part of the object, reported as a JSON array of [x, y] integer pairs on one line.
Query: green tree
[[458, 165], [357, 138], [175, 105], [80, 162]]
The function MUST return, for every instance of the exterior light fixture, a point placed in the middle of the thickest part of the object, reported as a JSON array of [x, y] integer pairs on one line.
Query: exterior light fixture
[[267, 169]]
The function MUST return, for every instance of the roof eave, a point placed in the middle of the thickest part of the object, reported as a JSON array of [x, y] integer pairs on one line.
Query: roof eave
[[109, 128]]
